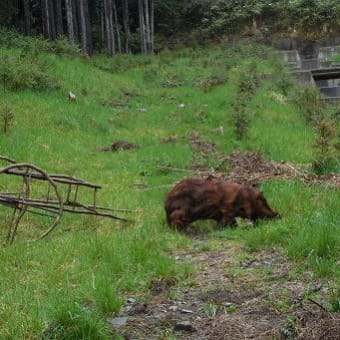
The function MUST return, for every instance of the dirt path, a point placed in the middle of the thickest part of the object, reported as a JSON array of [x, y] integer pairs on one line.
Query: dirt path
[[233, 295]]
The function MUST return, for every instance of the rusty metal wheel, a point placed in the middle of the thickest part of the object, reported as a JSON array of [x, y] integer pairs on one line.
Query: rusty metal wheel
[[28, 189]]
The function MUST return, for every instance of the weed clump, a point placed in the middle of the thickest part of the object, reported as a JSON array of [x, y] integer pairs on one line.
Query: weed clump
[[335, 299], [308, 101], [76, 322], [6, 118], [326, 147], [25, 71], [209, 82], [246, 86]]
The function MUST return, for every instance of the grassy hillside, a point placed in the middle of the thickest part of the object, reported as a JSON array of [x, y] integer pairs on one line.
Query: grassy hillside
[[68, 284]]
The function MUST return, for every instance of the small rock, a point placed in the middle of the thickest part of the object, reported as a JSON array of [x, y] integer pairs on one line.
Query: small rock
[[314, 288], [227, 304], [131, 300], [173, 308], [181, 105], [127, 308], [119, 321], [187, 311], [184, 326], [143, 109], [138, 308]]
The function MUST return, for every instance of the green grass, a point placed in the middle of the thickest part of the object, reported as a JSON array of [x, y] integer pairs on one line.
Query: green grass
[[68, 284]]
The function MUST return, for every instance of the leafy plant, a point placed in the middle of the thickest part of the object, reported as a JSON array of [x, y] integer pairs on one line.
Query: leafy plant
[[247, 83], [63, 47], [210, 309], [290, 329], [7, 117], [308, 100], [335, 299], [25, 72], [326, 153]]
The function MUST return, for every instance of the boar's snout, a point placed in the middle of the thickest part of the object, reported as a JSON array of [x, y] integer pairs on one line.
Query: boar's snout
[[264, 209], [276, 215]]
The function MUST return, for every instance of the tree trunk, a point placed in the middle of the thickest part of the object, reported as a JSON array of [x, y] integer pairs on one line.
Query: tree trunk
[[142, 26], [76, 23], [152, 15], [147, 26], [45, 18], [27, 17], [116, 25], [109, 27], [58, 18], [84, 27], [52, 19], [102, 25], [70, 21], [126, 25], [48, 19], [88, 29]]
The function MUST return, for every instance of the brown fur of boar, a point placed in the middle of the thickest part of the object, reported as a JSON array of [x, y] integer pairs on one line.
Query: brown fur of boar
[[196, 199]]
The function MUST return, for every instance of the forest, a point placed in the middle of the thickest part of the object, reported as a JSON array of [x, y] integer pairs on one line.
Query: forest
[[125, 26]]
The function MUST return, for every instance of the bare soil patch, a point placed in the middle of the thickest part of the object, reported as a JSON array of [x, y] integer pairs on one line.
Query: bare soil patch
[[246, 167], [120, 146], [251, 168], [252, 296]]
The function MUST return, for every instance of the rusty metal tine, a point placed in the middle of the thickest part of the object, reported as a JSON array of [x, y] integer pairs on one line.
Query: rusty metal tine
[[48, 192], [95, 197], [75, 195], [69, 189], [21, 214], [10, 226]]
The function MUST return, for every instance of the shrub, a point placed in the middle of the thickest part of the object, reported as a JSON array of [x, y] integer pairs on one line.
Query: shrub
[[25, 72], [11, 39], [6, 117], [35, 46], [209, 82], [63, 47], [241, 118], [326, 147], [246, 86], [326, 152], [308, 101]]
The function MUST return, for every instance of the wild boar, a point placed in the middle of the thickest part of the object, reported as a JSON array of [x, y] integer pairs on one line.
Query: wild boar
[[197, 199]]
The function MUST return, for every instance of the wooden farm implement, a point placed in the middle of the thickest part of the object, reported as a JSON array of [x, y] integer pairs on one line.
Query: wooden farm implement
[[47, 195]]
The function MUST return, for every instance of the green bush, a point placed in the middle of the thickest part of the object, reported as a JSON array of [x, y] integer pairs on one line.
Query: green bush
[[63, 47], [326, 153], [308, 101], [6, 118], [25, 72]]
